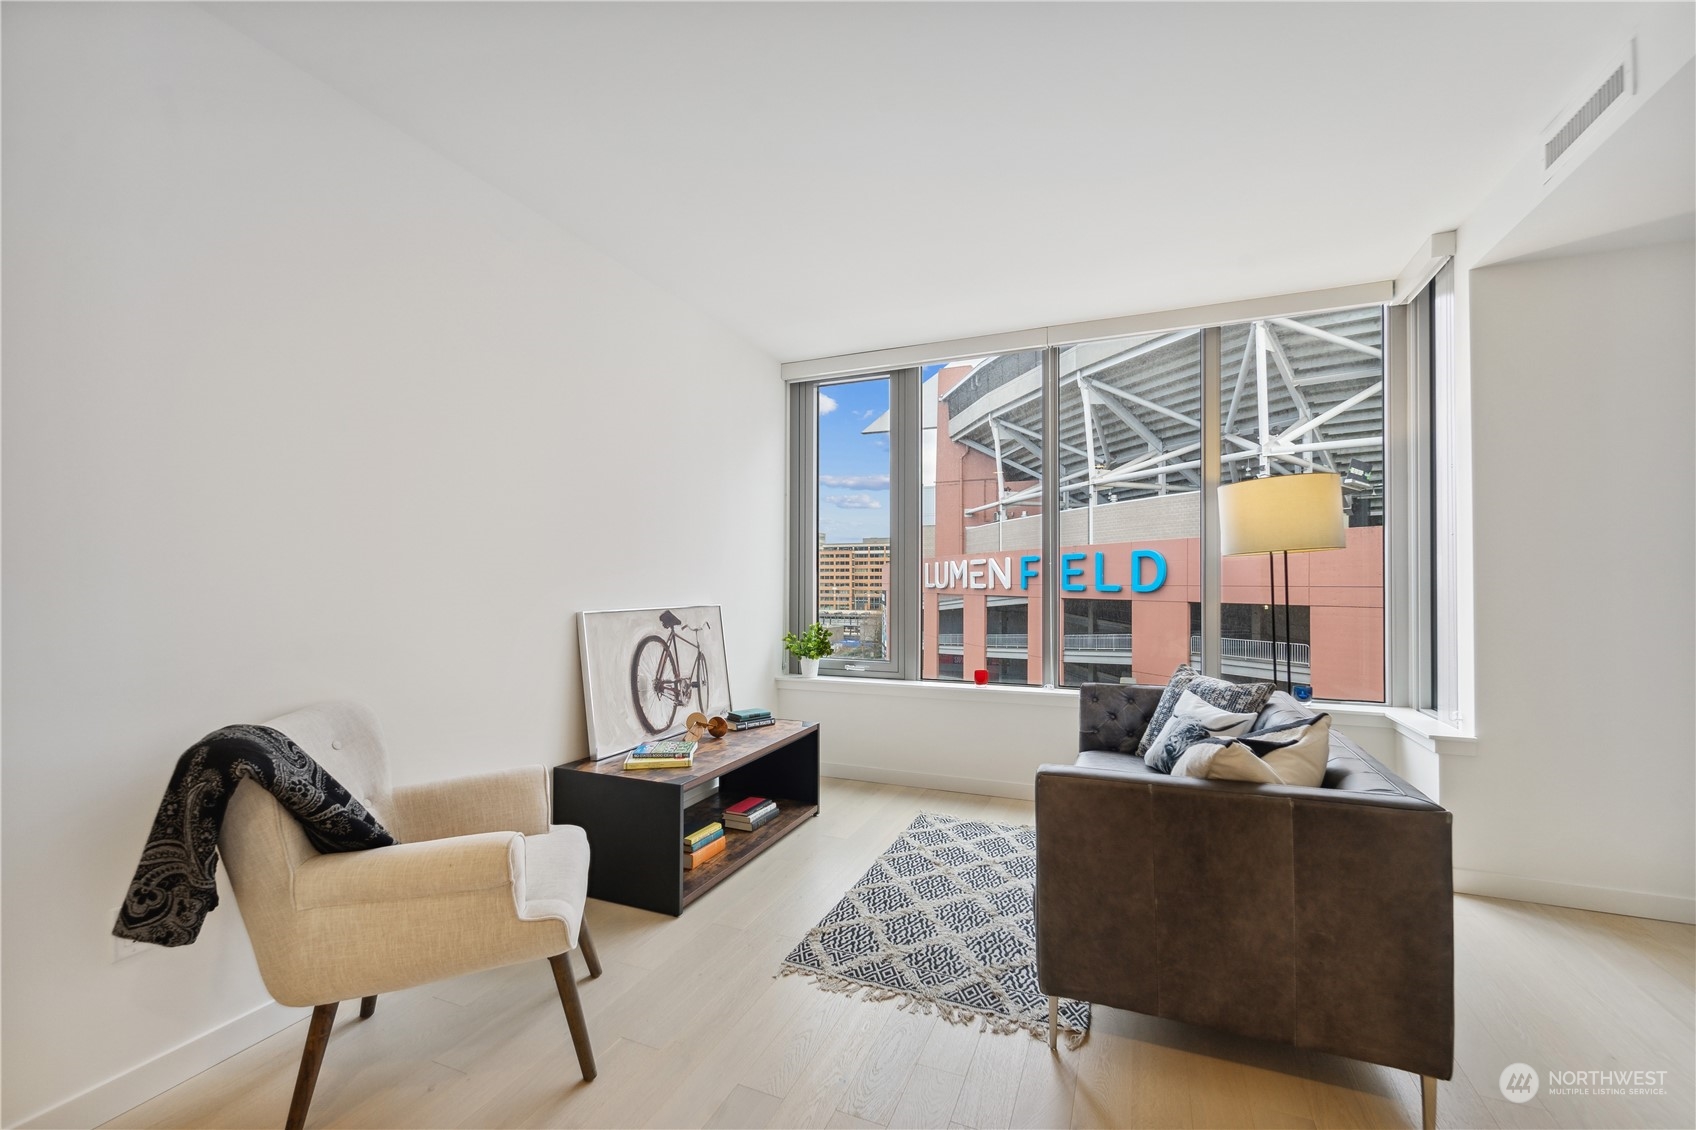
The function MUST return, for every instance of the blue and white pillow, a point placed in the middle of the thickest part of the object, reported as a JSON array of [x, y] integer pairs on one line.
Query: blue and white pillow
[[1235, 697], [1194, 721]]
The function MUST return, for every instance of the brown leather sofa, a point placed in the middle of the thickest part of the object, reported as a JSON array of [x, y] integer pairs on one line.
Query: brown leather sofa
[[1321, 918]]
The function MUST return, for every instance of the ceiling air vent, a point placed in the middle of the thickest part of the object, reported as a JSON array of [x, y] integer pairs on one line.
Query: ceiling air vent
[[1573, 124]]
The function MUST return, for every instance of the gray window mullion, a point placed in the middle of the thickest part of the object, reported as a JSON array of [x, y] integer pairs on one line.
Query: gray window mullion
[[1211, 443], [1445, 584], [906, 521], [803, 511], [1053, 661], [1401, 460]]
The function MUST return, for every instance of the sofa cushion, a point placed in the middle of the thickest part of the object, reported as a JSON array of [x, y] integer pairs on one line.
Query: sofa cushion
[[1127, 763], [1240, 698], [1193, 720]]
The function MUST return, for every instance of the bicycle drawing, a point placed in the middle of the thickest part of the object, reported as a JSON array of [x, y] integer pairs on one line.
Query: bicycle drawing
[[647, 669], [658, 685]]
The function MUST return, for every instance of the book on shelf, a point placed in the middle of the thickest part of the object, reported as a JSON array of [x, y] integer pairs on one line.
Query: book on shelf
[[694, 859], [671, 747], [753, 723], [716, 835], [632, 762], [662, 755], [745, 805], [747, 714], [702, 834], [752, 819]]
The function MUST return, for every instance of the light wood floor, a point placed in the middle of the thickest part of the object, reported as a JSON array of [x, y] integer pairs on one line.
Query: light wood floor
[[691, 1028]]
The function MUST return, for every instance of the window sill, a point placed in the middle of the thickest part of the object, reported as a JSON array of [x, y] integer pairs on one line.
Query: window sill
[[922, 688], [1414, 725]]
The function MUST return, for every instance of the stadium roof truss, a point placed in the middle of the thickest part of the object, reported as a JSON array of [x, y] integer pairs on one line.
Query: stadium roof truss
[[1300, 394]]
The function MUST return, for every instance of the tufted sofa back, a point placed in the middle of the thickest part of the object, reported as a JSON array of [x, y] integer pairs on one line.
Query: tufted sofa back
[[1112, 716]]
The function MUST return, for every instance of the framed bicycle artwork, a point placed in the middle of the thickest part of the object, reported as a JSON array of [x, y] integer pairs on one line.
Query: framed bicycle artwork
[[645, 670]]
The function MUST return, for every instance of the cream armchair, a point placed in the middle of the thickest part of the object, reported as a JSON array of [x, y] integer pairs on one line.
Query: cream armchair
[[480, 879]]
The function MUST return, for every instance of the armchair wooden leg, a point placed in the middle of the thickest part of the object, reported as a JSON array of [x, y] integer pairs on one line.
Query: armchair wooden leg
[[1053, 1022], [1428, 1101], [311, 1058], [566, 982], [588, 947], [367, 1007]]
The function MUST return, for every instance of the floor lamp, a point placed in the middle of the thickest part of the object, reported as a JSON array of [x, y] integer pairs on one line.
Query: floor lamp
[[1282, 514]]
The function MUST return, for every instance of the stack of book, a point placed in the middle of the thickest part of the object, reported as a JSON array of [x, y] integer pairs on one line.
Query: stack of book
[[703, 844], [662, 755], [750, 719], [749, 813]]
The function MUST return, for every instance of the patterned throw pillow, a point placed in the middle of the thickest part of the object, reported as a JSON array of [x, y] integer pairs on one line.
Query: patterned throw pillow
[[1193, 721], [1238, 698], [1175, 741]]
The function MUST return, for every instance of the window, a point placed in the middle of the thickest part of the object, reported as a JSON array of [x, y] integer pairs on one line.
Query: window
[[851, 594], [1130, 503], [981, 451], [1301, 395], [1054, 523]]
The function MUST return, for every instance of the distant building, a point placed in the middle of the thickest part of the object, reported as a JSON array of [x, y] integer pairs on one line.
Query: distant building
[[851, 575], [853, 593]]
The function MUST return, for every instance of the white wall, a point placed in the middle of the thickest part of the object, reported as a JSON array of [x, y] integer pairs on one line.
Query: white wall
[[1583, 393], [960, 737], [296, 409]]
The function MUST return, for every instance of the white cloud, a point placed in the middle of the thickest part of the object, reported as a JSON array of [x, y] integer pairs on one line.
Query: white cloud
[[826, 405], [856, 482], [854, 502]]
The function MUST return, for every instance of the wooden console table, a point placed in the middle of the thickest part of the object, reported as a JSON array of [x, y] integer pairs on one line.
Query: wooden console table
[[636, 820]]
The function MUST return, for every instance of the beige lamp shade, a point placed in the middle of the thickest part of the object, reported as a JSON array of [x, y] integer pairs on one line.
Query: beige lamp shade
[[1282, 512]]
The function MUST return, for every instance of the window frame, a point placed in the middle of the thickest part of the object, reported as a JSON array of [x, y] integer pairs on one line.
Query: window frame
[[1419, 664], [905, 505]]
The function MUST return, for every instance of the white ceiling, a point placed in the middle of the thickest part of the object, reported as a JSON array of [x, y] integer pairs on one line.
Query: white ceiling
[[832, 178]]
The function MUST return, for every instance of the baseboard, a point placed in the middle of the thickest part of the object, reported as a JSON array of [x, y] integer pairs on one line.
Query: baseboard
[[1608, 900], [105, 1101], [978, 786]]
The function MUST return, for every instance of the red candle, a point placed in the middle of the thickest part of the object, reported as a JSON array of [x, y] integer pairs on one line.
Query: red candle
[[980, 677]]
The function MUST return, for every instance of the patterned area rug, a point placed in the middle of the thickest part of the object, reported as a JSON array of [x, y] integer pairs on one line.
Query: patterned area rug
[[942, 921]]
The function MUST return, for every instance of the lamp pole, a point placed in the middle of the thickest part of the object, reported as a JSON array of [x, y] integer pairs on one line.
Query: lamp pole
[[1272, 586]]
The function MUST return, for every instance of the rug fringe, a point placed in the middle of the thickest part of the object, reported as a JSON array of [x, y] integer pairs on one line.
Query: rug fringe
[[926, 1006]]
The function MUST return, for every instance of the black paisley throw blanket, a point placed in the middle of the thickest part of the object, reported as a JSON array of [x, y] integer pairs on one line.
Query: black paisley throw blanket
[[173, 890]]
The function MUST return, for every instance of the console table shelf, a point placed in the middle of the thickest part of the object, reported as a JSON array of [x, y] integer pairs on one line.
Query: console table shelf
[[740, 847], [636, 820]]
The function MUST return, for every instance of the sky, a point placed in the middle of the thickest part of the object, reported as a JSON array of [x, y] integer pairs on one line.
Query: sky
[[853, 468]]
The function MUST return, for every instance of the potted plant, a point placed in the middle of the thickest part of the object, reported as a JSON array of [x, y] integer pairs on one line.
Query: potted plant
[[812, 645]]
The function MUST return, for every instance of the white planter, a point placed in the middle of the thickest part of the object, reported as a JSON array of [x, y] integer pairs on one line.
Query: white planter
[[809, 668]]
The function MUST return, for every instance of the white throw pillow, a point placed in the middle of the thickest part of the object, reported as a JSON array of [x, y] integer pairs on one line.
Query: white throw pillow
[[1192, 718], [1301, 754], [1295, 755], [1225, 761]]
